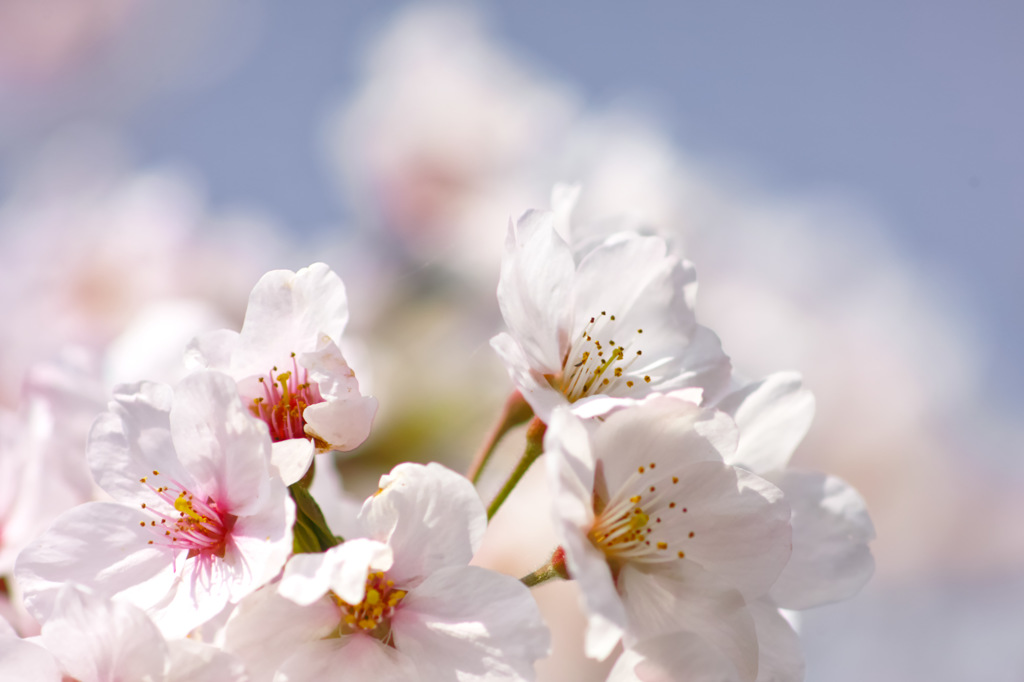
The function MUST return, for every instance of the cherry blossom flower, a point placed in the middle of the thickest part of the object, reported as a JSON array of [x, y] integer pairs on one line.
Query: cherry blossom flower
[[90, 639], [199, 521], [401, 603], [289, 368], [613, 322], [831, 559], [662, 535]]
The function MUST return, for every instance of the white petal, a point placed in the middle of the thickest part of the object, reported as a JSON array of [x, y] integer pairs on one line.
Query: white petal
[[96, 639], [694, 601], [773, 416], [570, 464], [430, 516], [535, 288], [570, 470], [22, 660], [343, 421], [688, 657], [131, 440], [343, 569], [225, 449], [355, 658], [266, 629], [648, 288], [780, 657], [740, 525], [831, 531], [344, 424], [665, 430], [470, 623], [263, 542], [653, 291], [288, 313], [190, 661], [606, 614], [529, 381], [677, 657], [212, 350], [101, 545], [290, 459]]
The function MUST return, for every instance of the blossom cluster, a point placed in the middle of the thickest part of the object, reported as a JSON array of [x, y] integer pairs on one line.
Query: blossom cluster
[[213, 541]]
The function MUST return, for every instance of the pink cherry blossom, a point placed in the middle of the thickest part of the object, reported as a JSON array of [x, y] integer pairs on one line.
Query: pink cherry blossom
[[198, 521], [400, 603], [289, 367]]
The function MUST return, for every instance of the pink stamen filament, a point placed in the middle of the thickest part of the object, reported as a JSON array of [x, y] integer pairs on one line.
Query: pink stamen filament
[[199, 526], [285, 397]]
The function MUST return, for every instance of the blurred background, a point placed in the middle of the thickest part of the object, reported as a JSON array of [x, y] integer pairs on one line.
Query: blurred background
[[847, 178]]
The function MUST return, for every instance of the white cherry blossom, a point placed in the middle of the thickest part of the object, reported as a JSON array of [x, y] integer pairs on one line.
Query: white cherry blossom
[[662, 535], [831, 560], [612, 322], [289, 367], [400, 603], [92, 639], [199, 522]]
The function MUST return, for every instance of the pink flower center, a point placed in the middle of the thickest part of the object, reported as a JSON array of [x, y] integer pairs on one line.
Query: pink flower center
[[373, 613], [198, 526], [285, 396]]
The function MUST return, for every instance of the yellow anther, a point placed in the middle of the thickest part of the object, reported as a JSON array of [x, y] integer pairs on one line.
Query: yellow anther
[[662, 545], [372, 597]]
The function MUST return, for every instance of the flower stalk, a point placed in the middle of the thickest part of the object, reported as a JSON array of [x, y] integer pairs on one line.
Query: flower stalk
[[515, 411], [534, 449], [554, 569]]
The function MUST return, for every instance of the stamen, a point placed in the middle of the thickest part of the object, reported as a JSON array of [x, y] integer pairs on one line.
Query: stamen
[[199, 526], [633, 526], [285, 397], [595, 364], [372, 615]]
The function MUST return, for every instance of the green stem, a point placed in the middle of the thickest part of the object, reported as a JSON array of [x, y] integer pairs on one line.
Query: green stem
[[534, 449], [515, 412]]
